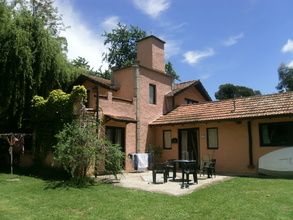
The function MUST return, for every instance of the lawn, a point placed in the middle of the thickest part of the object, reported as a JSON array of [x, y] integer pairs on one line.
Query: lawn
[[238, 198]]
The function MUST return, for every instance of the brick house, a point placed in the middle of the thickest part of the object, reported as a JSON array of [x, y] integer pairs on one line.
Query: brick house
[[141, 105]]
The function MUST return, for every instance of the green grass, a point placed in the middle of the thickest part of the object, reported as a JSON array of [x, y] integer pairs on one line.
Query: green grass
[[238, 198]]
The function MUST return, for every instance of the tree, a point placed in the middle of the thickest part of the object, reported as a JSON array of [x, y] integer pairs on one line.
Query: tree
[[81, 62], [78, 148], [32, 62], [123, 45], [229, 91], [123, 48], [285, 78], [50, 115], [170, 70]]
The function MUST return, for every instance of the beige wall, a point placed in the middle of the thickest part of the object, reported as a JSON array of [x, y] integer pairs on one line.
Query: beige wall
[[150, 112], [191, 93], [233, 152]]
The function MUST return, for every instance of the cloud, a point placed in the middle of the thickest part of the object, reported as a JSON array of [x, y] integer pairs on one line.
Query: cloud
[[233, 40], [288, 47], [153, 8], [193, 57], [110, 23], [172, 48], [82, 41]]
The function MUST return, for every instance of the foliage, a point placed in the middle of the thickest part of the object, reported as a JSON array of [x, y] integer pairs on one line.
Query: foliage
[[156, 152], [82, 65], [51, 114], [170, 70], [123, 46], [229, 91], [79, 148], [32, 62], [285, 78], [76, 148]]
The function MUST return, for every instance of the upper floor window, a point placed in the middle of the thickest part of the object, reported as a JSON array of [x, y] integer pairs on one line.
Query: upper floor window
[[152, 94], [190, 101], [212, 138], [276, 134]]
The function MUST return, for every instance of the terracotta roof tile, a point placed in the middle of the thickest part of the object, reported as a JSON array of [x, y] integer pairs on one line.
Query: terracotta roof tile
[[233, 109], [180, 87]]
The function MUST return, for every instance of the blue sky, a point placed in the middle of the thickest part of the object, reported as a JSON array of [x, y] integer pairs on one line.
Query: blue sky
[[242, 42]]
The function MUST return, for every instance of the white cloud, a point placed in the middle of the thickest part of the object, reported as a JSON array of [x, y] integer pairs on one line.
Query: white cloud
[[81, 40], [152, 8], [172, 48], [193, 57], [233, 40], [288, 47], [110, 23], [290, 64]]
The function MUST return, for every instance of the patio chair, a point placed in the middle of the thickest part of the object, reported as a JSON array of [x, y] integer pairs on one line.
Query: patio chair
[[171, 166], [210, 168], [189, 168], [205, 159], [159, 168]]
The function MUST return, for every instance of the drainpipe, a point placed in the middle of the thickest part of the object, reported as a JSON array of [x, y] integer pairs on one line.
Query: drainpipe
[[137, 96], [250, 152]]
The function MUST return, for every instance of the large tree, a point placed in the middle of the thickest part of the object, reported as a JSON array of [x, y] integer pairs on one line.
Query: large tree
[[285, 78], [32, 62], [123, 45], [123, 48], [229, 91]]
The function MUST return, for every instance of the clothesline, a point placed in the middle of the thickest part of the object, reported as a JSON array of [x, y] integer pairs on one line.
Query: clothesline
[[14, 140]]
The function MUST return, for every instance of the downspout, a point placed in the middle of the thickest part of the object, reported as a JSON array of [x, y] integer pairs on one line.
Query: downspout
[[250, 152], [98, 126], [137, 96]]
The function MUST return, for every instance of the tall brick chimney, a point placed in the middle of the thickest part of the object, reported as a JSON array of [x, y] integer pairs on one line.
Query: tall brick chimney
[[150, 53]]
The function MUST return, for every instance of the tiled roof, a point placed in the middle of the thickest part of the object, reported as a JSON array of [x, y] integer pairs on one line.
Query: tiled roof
[[180, 87], [274, 105], [93, 79], [121, 118]]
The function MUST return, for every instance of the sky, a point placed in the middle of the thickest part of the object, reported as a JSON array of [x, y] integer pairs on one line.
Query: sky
[[242, 42]]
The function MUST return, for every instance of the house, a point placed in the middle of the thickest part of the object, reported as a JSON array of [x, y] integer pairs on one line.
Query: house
[[141, 105]]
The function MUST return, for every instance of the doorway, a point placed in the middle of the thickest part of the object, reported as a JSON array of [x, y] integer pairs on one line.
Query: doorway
[[188, 144]]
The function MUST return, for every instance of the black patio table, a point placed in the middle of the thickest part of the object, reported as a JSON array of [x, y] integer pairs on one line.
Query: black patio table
[[183, 163]]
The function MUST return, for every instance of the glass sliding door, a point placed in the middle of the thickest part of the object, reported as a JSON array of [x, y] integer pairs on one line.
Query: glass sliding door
[[188, 144]]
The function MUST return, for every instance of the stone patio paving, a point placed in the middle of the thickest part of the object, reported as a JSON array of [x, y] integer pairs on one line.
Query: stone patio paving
[[144, 181]]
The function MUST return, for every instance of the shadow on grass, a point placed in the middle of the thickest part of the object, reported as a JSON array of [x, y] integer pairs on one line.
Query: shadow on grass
[[78, 183]]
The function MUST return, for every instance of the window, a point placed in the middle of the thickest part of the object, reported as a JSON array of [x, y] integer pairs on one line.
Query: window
[[116, 135], [190, 101], [167, 137], [212, 138], [152, 94], [276, 134]]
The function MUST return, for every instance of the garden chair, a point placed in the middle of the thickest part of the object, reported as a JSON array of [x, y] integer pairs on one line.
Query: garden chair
[[189, 168], [170, 166], [159, 168], [210, 168]]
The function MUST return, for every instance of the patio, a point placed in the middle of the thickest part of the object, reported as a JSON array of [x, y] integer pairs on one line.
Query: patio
[[144, 181]]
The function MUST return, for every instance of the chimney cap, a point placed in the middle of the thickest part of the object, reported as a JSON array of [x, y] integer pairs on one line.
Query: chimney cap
[[151, 36]]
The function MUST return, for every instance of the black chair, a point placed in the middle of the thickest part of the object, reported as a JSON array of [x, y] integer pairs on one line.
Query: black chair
[[210, 168], [189, 168], [159, 168], [170, 166]]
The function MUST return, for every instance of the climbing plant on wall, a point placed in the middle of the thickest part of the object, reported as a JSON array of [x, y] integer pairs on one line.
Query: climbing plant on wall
[[51, 114]]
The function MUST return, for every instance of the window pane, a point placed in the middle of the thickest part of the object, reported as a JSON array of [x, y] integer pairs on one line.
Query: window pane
[[167, 139], [212, 138], [152, 94], [276, 134]]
